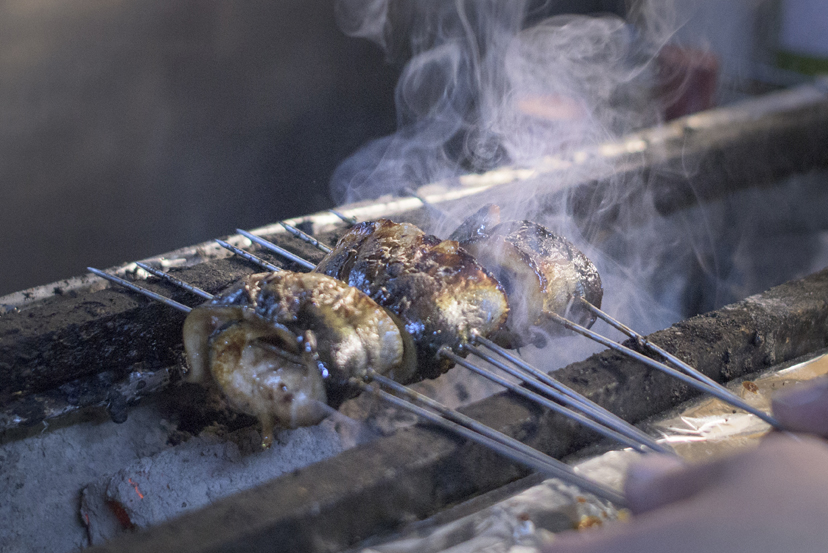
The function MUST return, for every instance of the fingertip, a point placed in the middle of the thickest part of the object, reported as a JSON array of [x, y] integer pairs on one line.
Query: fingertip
[[651, 467], [804, 408], [643, 486]]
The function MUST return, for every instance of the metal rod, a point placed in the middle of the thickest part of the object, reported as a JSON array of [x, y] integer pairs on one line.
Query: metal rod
[[678, 363], [248, 256], [428, 205], [306, 237], [652, 363], [276, 249], [507, 446], [142, 291], [549, 404], [345, 218], [575, 401], [681, 365], [178, 282]]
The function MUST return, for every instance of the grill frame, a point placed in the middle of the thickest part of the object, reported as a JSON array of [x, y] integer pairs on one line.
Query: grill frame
[[78, 344]]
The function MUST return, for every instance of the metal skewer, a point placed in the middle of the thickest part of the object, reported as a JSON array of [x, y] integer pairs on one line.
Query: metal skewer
[[497, 441], [350, 220], [135, 288], [600, 427], [266, 244], [248, 256], [178, 282], [444, 417], [678, 363], [427, 204], [725, 396], [548, 386], [306, 237]]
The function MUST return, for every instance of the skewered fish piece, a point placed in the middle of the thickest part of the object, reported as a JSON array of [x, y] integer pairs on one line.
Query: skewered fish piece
[[439, 291], [281, 346], [436, 413], [542, 273]]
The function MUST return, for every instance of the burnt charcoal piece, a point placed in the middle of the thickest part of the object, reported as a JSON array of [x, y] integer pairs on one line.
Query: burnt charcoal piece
[[117, 407]]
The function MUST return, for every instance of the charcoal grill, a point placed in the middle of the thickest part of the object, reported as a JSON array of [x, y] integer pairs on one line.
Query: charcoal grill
[[80, 345]]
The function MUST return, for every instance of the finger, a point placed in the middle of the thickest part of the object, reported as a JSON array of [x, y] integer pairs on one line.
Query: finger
[[659, 482], [805, 408], [643, 479]]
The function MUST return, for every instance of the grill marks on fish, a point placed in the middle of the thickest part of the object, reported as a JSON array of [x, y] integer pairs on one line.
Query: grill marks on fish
[[281, 346], [440, 292], [541, 271]]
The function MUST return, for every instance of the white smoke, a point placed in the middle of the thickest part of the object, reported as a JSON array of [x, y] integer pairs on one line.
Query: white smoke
[[488, 84], [493, 82]]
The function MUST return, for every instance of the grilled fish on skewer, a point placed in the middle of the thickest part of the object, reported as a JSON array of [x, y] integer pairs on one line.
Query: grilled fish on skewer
[[439, 414], [542, 273], [439, 291], [281, 345]]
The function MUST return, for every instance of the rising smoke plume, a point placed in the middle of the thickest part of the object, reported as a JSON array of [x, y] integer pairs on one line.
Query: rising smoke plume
[[492, 82], [497, 82]]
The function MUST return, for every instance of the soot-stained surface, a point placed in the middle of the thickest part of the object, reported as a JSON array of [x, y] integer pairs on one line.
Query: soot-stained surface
[[78, 334]]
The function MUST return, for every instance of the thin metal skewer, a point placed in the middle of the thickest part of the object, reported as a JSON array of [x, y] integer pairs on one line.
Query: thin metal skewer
[[497, 441], [427, 204], [557, 391], [178, 282], [350, 220], [306, 237], [248, 256], [692, 371], [143, 291], [652, 363], [277, 249], [598, 427]]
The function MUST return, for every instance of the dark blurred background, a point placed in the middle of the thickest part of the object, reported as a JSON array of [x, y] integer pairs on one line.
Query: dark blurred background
[[128, 129], [132, 128]]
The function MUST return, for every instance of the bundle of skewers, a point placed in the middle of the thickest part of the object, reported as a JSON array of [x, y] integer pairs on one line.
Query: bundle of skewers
[[390, 305]]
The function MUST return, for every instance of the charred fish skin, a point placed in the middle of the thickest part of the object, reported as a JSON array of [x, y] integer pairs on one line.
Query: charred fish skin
[[478, 224], [280, 346], [542, 272], [435, 287]]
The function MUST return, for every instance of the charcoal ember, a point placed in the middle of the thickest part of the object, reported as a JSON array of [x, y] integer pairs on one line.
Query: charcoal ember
[[194, 474]]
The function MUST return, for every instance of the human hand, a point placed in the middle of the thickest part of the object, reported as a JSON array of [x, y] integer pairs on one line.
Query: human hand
[[771, 498], [804, 408]]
